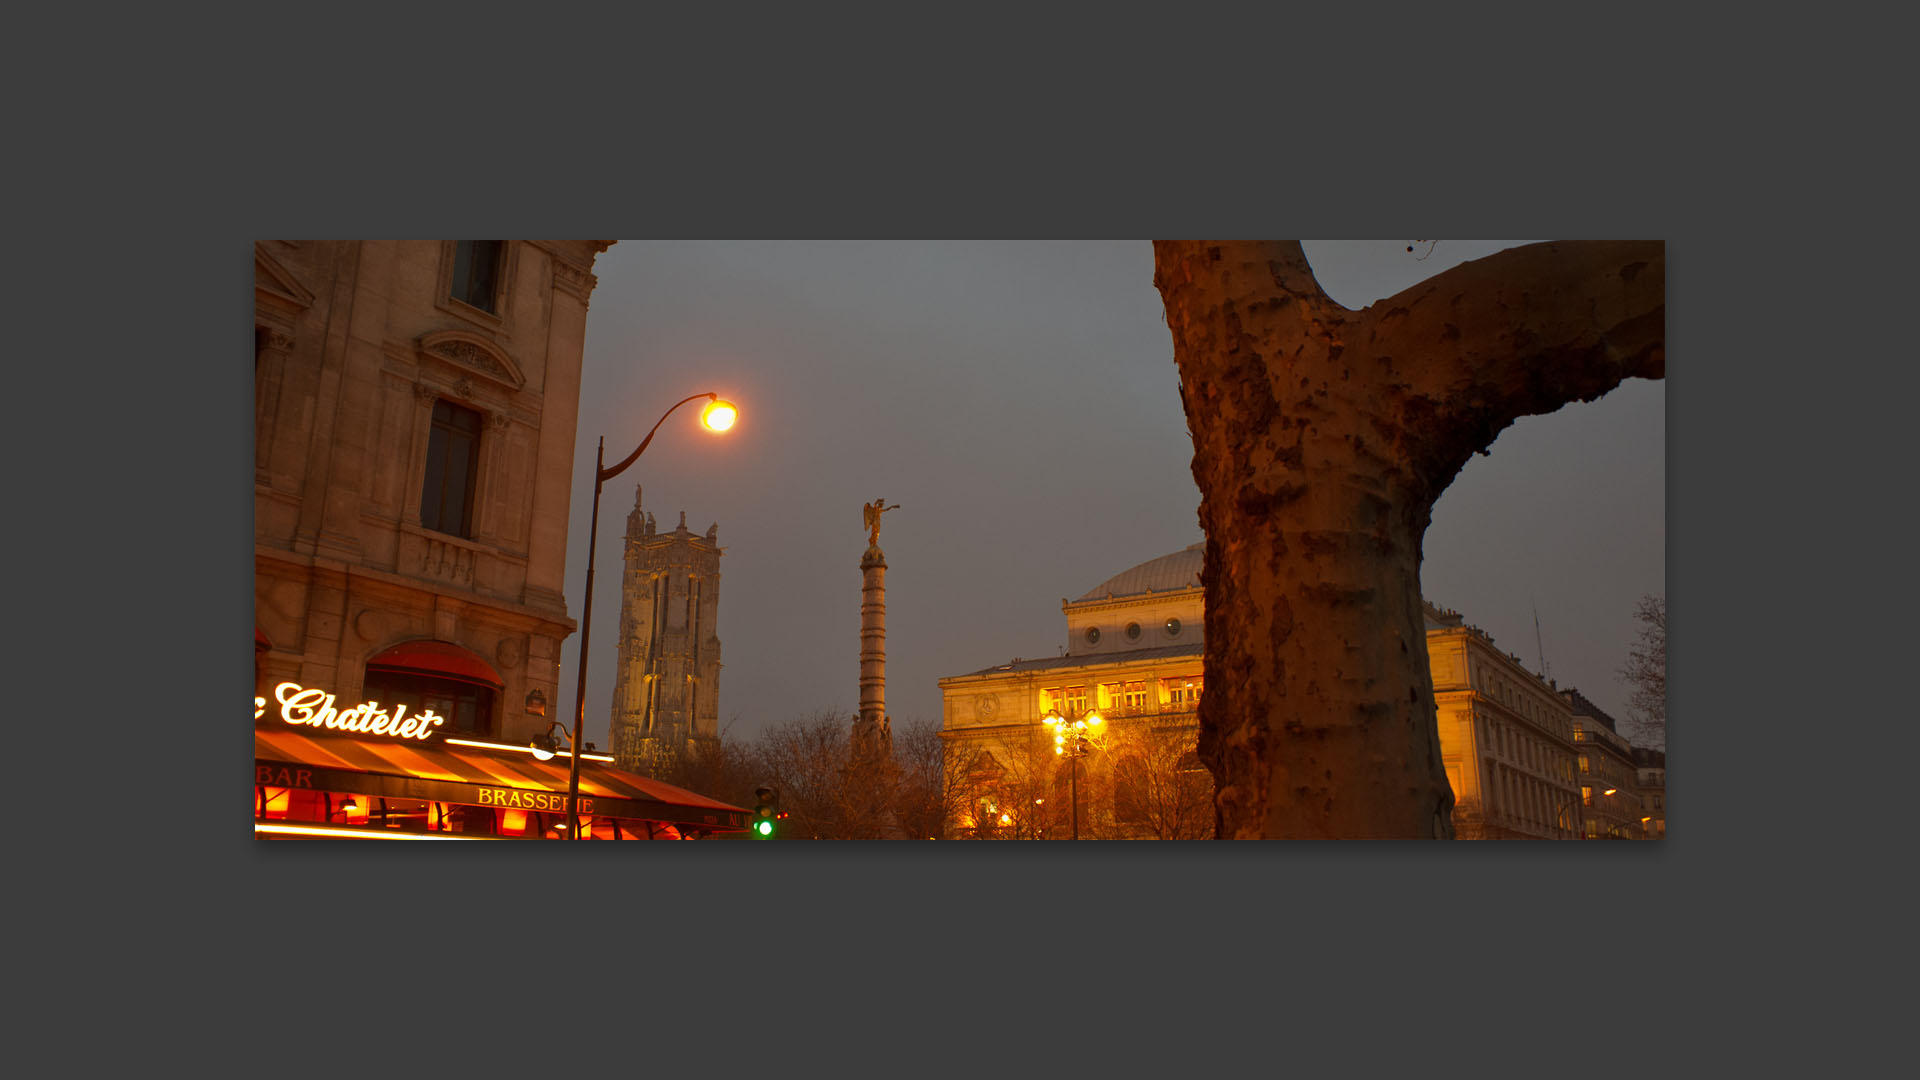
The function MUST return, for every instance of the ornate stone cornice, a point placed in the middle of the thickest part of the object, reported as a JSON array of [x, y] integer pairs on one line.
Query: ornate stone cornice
[[575, 281]]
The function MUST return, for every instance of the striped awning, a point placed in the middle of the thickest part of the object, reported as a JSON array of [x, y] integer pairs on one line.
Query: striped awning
[[432, 771]]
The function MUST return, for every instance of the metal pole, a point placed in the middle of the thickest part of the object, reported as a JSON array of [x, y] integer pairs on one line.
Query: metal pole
[[600, 476], [586, 627], [1074, 780]]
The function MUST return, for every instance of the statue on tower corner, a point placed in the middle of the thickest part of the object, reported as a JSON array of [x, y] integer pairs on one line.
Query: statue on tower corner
[[871, 513]]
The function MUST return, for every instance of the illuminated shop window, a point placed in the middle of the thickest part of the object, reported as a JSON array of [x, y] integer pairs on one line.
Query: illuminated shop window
[[476, 273], [453, 468]]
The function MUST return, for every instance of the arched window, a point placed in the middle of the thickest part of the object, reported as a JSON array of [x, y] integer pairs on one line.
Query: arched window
[[454, 682]]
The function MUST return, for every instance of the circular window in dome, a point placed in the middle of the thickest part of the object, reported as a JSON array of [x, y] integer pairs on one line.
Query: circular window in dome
[[1133, 631], [1173, 627], [1093, 635]]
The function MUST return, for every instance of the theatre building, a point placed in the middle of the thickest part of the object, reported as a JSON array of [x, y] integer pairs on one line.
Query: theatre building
[[1134, 655], [415, 415]]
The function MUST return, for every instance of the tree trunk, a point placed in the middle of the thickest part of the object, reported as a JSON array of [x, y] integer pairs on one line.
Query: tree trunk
[[1321, 438]]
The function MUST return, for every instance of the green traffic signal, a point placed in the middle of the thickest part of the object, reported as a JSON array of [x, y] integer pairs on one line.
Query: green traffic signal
[[765, 812]]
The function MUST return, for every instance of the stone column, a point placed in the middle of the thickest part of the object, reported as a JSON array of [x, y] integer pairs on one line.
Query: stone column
[[559, 418], [873, 728], [273, 349]]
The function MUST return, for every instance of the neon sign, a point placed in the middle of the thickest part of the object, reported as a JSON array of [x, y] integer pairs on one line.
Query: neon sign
[[314, 708]]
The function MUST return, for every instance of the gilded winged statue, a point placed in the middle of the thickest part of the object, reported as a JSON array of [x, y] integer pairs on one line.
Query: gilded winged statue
[[871, 512]]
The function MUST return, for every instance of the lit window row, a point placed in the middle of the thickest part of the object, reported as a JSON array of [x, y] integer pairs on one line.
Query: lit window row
[[1178, 694]]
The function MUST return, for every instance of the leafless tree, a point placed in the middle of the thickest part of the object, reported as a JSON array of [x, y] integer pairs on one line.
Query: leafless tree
[[920, 796], [806, 761], [720, 768], [1321, 439], [1646, 674], [1160, 789], [1005, 793]]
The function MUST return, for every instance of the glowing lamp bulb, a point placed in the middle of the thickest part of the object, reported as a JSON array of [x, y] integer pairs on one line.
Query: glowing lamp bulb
[[719, 415]]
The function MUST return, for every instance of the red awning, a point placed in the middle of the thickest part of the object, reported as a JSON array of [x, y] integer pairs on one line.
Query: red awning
[[439, 658], [433, 770], [260, 642]]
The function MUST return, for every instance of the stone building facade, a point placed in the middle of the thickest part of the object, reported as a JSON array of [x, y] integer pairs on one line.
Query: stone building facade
[[415, 412], [1650, 767], [1133, 655], [666, 693], [1506, 738], [1509, 739], [1606, 763]]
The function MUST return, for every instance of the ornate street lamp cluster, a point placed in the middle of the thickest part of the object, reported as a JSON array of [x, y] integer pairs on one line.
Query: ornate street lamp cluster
[[1073, 739]]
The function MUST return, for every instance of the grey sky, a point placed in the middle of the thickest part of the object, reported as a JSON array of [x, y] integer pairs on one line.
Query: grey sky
[[1019, 401]]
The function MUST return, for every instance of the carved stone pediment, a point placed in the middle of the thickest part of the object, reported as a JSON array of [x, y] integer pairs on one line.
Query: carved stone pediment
[[469, 353], [276, 292]]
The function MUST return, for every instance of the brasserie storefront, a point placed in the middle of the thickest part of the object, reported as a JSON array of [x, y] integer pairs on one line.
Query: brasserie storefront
[[382, 772]]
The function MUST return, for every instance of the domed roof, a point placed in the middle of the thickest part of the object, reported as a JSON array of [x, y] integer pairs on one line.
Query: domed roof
[[1168, 573]]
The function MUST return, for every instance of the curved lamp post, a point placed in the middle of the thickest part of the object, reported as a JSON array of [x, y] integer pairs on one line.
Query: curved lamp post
[[717, 416], [1071, 740]]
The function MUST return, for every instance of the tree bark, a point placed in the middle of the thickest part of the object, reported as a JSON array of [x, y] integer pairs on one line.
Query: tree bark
[[1321, 438]]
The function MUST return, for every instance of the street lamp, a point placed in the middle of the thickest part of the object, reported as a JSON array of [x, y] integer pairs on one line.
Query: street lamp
[[546, 747], [717, 416], [1071, 740], [1571, 803]]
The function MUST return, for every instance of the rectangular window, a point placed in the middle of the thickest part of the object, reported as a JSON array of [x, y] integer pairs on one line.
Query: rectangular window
[[1585, 765], [1076, 698], [476, 273], [1586, 796], [453, 465], [1133, 697], [1183, 694]]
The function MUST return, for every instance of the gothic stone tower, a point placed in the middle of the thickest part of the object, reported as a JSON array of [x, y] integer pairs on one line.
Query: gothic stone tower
[[666, 696]]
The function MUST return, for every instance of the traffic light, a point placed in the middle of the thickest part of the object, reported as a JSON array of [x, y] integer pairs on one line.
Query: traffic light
[[765, 813]]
